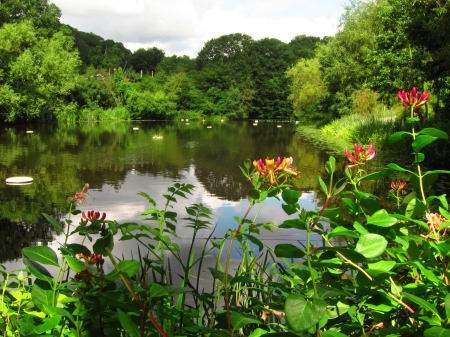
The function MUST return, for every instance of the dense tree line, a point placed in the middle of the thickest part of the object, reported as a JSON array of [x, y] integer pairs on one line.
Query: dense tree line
[[54, 71]]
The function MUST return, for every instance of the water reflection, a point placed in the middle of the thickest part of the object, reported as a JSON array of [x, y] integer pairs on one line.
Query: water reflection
[[118, 162]]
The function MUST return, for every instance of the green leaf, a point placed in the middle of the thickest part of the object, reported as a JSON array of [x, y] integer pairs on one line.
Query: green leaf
[[289, 251], [383, 266], [436, 332], [302, 314], [447, 306], [157, 290], [427, 181], [330, 333], [293, 223], [371, 245], [350, 254], [48, 325], [342, 231], [53, 222], [436, 171], [128, 267], [254, 194], [381, 218], [128, 324], [421, 141], [41, 294], [74, 264], [395, 167], [37, 270], [291, 197], [255, 241], [396, 137], [76, 248], [52, 311], [434, 132], [239, 320], [376, 175], [421, 302], [41, 254], [323, 185], [102, 243], [330, 165], [415, 208]]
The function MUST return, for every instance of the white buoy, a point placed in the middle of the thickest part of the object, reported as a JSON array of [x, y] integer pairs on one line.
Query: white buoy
[[29, 131], [19, 180], [187, 123], [255, 123], [221, 120], [278, 126], [209, 127], [182, 119], [135, 128]]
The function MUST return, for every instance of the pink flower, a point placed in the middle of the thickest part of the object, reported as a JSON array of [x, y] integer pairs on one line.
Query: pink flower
[[273, 169], [412, 99], [360, 156], [93, 216], [398, 185], [80, 196]]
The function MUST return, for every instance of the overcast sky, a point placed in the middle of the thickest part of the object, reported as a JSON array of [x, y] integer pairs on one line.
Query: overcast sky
[[182, 27]]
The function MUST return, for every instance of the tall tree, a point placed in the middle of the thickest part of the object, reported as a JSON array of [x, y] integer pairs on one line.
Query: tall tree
[[146, 60]]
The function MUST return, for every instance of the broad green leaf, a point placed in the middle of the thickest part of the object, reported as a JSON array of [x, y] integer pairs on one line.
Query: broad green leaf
[[293, 223], [254, 194], [48, 325], [239, 320], [415, 208], [350, 254], [427, 181], [371, 245], [255, 241], [396, 137], [342, 231], [434, 132], [53, 222], [291, 196], [49, 310], [41, 254], [74, 264], [302, 314], [436, 171], [76, 248], [42, 294], [289, 251], [383, 266], [37, 270], [421, 141], [128, 267], [103, 243], [421, 302], [128, 324], [376, 175], [330, 165], [157, 290], [381, 218], [395, 167], [436, 332]]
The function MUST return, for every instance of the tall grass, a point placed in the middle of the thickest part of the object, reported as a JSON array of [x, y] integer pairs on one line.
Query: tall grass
[[365, 129]]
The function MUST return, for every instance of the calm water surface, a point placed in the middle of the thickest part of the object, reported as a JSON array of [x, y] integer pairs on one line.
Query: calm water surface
[[119, 161]]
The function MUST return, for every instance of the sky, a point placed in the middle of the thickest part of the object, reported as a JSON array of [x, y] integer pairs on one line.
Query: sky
[[182, 27]]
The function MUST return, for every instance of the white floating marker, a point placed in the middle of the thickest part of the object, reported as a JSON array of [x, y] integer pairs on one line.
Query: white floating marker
[[29, 131], [19, 181], [209, 127], [278, 126], [135, 128]]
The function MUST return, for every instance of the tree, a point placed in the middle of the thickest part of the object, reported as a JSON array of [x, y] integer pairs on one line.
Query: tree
[[109, 54], [39, 73], [304, 47], [146, 60], [307, 86]]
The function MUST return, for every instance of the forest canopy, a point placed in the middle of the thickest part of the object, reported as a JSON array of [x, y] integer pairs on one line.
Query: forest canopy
[[51, 71]]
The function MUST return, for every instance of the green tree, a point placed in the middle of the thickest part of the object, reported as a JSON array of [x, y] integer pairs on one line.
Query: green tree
[[304, 47], [109, 54], [146, 60], [307, 86], [38, 74]]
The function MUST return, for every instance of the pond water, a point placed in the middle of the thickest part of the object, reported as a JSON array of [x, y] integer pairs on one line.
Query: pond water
[[119, 160]]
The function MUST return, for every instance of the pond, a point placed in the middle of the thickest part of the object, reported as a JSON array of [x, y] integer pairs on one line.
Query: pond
[[119, 160]]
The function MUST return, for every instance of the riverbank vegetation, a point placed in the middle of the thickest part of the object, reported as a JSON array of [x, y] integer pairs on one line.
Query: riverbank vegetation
[[381, 271]]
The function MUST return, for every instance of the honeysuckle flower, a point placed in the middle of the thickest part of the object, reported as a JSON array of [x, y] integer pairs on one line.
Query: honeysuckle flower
[[80, 196], [359, 155], [273, 170], [412, 99], [435, 221], [93, 216], [398, 185], [92, 259]]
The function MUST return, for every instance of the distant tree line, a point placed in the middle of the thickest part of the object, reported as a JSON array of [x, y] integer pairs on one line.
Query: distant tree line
[[51, 71]]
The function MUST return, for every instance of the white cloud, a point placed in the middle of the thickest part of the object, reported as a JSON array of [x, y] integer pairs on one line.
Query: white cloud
[[183, 26]]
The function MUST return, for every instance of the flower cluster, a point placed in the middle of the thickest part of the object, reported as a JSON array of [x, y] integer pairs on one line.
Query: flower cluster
[[274, 170], [397, 186], [435, 221], [89, 260], [80, 197], [91, 217], [359, 155], [413, 99]]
